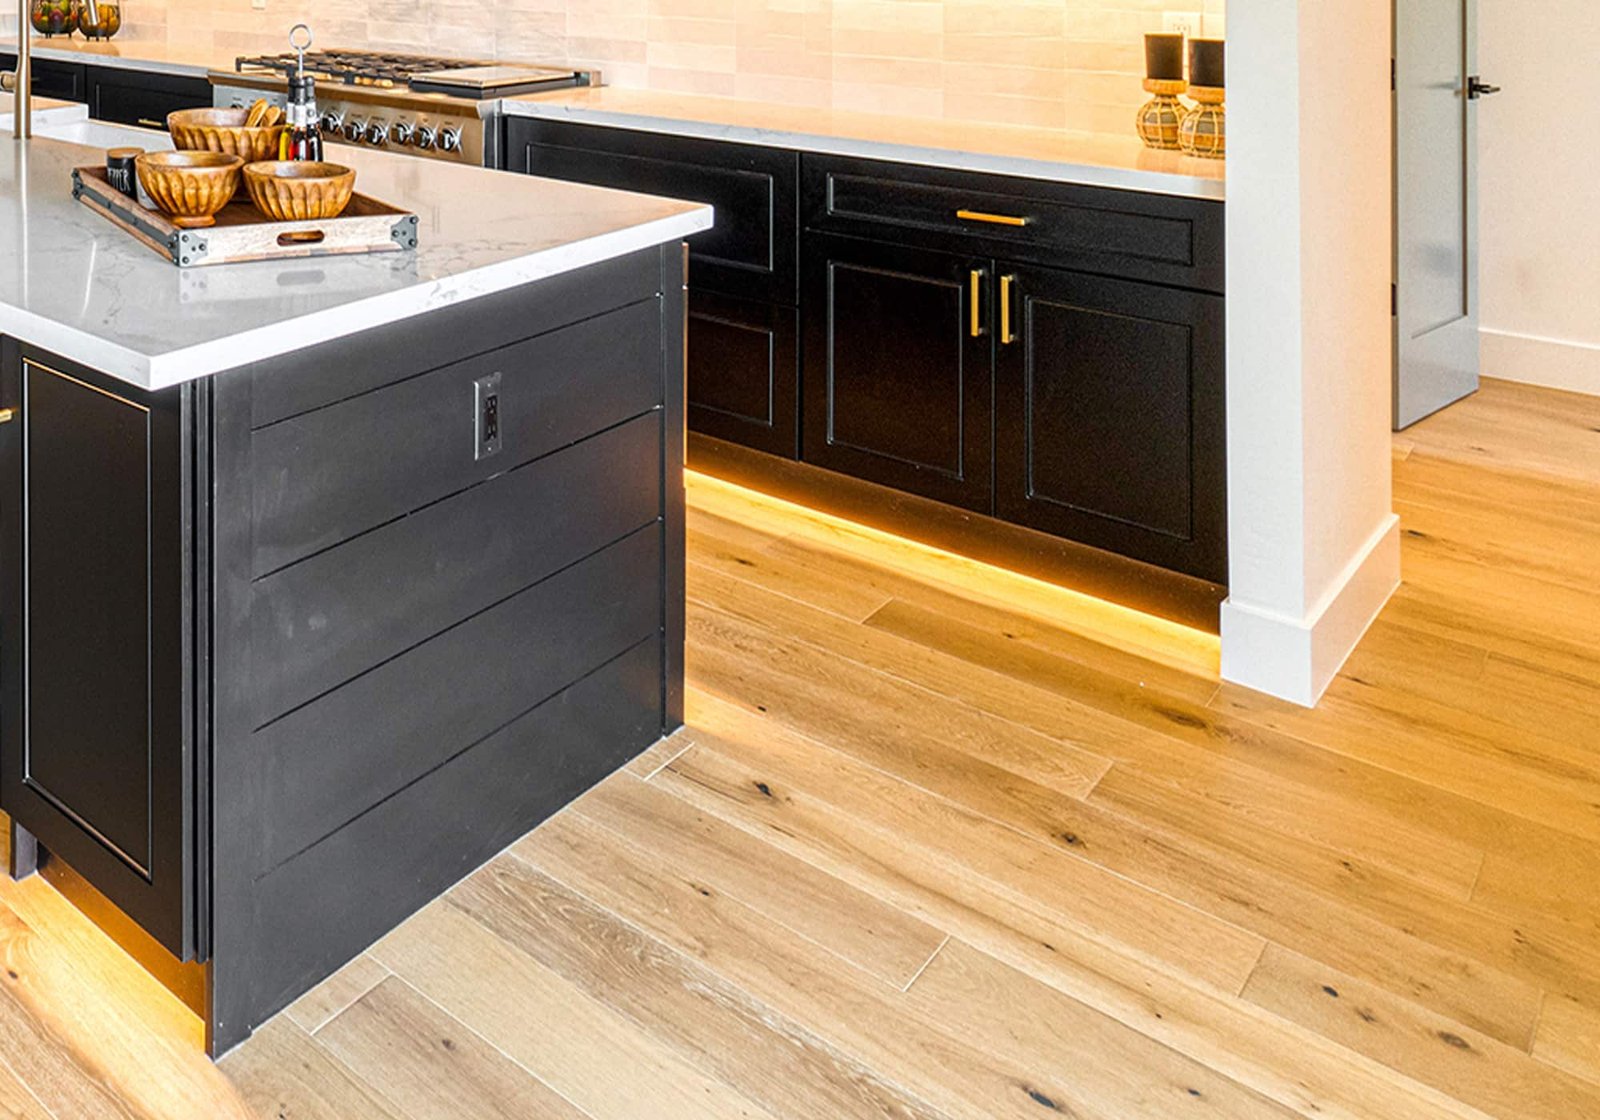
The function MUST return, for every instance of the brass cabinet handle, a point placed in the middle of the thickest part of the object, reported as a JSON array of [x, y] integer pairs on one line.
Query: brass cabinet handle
[[7, 415], [978, 277], [148, 123], [992, 219], [1007, 336]]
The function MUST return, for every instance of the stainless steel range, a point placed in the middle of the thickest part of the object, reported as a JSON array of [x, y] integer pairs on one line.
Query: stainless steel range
[[438, 108]]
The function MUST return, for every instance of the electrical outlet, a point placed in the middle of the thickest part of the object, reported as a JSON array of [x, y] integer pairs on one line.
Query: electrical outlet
[[486, 426], [258, 5], [1181, 23]]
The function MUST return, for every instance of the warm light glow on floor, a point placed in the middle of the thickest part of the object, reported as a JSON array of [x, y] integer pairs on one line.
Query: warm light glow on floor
[[1118, 626]]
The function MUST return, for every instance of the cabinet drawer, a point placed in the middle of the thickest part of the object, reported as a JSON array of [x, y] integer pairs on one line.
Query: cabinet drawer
[[1140, 236], [751, 250], [744, 372]]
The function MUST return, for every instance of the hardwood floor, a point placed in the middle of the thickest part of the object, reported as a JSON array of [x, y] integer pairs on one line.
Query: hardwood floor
[[944, 843]]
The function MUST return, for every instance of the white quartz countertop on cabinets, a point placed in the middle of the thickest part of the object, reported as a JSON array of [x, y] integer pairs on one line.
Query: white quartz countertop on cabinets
[[124, 54], [1058, 155], [74, 284]]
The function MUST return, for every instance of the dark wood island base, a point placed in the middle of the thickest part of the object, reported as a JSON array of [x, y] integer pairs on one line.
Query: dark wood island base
[[292, 649]]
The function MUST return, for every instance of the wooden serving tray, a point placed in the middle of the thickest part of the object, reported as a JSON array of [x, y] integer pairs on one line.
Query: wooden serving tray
[[243, 233]]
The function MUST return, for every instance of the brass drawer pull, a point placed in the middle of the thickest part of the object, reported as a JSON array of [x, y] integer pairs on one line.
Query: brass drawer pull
[[1007, 336], [148, 123], [992, 219], [7, 415], [978, 277]]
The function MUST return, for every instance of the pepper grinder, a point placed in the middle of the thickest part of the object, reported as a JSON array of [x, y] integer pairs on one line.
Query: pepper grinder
[[1160, 118], [1204, 131]]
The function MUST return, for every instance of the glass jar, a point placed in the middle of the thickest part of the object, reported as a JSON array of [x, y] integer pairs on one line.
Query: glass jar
[[54, 17]]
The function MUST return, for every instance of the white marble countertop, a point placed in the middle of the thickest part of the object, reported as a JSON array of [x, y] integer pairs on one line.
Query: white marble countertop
[[45, 111], [124, 54], [1091, 159], [74, 284]]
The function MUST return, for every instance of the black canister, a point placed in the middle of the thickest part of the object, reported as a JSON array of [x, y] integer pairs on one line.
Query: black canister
[[120, 171]]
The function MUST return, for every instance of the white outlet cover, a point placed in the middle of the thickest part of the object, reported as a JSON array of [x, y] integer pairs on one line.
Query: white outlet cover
[[258, 5], [1181, 23]]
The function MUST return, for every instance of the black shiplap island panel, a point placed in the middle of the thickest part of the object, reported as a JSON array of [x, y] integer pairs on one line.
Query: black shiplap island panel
[[374, 655]]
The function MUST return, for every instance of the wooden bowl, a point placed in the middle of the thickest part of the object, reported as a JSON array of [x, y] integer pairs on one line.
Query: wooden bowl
[[189, 187], [299, 191], [223, 130]]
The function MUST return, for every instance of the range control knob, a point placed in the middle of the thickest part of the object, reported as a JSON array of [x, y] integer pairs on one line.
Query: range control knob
[[332, 121], [425, 137], [402, 132], [449, 139], [378, 132], [355, 129]]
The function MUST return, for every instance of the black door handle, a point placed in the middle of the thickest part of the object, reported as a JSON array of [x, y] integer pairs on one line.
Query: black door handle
[[1477, 87]]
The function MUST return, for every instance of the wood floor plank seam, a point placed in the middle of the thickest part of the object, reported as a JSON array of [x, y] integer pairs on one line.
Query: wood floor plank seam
[[931, 958]]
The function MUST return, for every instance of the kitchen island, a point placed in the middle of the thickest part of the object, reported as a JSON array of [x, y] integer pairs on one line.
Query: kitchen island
[[326, 579]]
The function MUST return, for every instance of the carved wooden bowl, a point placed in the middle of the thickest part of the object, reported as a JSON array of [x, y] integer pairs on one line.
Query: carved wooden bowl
[[223, 130], [189, 187], [299, 191]]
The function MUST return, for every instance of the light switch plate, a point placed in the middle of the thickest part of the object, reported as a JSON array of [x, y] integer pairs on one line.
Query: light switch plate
[[1181, 23], [258, 5]]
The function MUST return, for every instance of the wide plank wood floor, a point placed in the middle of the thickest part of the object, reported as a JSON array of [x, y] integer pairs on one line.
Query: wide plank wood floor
[[944, 843]]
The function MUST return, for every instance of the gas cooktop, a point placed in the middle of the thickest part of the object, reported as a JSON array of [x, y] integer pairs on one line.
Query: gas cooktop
[[458, 77]]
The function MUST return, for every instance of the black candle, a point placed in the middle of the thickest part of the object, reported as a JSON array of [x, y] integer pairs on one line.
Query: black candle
[[1163, 57], [1205, 63]]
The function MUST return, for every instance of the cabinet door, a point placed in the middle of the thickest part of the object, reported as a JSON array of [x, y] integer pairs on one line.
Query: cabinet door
[[744, 372], [95, 686], [129, 97], [749, 253], [898, 379], [1109, 417]]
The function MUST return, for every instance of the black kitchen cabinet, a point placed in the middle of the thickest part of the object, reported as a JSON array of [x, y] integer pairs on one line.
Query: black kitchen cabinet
[[96, 659], [64, 81], [898, 368], [132, 97], [283, 658], [115, 94], [1038, 361], [1108, 416], [743, 272]]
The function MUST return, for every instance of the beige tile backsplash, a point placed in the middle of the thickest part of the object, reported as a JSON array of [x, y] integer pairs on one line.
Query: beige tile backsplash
[[1073, 64]]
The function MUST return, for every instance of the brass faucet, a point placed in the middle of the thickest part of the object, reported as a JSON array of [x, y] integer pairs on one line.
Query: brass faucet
[[20, 84]]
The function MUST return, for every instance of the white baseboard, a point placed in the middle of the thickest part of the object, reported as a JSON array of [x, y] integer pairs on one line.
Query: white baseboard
[[1550, 362], [1296, 659]]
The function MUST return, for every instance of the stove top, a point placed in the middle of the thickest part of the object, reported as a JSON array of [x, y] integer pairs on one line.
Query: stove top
[[458, 77]]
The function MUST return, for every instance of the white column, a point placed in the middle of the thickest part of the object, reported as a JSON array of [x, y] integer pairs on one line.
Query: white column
[[1313, 538]]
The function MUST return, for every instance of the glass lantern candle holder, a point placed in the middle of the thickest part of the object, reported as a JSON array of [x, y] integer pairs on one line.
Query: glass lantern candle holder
[[1161, 118], [1204, 131]]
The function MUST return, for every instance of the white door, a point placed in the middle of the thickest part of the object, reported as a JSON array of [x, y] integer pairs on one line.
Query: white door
[[1437, 93]]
